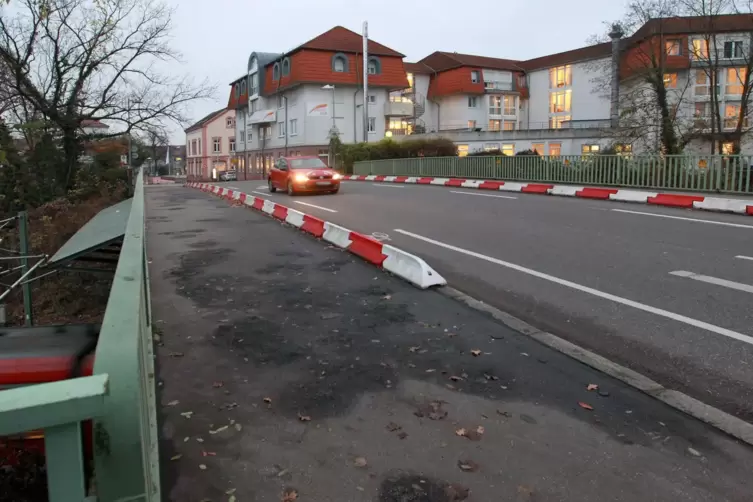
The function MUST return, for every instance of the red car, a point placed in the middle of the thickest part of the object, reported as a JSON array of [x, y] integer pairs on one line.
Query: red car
[[303, 174]]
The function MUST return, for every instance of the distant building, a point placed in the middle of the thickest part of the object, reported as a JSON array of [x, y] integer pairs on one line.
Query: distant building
[[210, 144]]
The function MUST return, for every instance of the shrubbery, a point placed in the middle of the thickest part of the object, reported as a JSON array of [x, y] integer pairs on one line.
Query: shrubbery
[[390, 149]]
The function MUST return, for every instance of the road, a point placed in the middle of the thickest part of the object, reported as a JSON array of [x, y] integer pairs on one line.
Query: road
[[287, 364], [664, 291]]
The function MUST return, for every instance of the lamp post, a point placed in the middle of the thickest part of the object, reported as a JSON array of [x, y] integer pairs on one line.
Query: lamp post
[[328, 87], [332, 132]]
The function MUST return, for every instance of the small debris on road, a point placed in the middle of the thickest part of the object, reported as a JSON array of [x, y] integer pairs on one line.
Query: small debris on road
[[208, 454], [470, 434], [387, 297], [217, 431], [528, 419], [268, 400], [329, 315], [289, 495], [217, 385], [505, 414], [392, 427], [402, 435], [694, 452], [476, 352], [490, 377], [360, 462], [176, 457], [467, 465], [585, 406], [187, 414], [432, 410], [304, 418], [592, 386], [604, 393], [456, 378], [202, 467], [456, 493], [176, 354], [173, 403], [414, 349]]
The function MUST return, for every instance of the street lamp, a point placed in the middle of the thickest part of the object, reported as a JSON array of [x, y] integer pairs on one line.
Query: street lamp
[[327, 88]]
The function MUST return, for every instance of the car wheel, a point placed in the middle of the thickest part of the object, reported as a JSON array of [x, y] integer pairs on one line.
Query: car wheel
[[272, 188], [333, 192], [291, 191]]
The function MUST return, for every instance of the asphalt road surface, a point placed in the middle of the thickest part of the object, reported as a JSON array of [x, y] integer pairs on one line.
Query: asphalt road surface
[[667, 292], [289, 366]]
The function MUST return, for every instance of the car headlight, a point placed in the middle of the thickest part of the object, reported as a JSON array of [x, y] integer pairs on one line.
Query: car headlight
[[300, 178], [337, 176]]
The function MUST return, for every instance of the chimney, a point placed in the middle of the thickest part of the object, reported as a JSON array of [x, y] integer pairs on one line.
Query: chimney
[[614, 110]]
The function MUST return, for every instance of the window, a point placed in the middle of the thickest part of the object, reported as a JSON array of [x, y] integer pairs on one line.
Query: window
[[216, 145], [735, 80], [286, 67], [340, 63], [588, 149], [237, 88], [280, 101], [472, 101], [471, 124], [254, 105], [538, 148], [231, 144], [670, 80], [557, 122], [508, 150], [243, 86], [703, 83], [560, 76], [276, 72], [733, 50], [193, 147], [495, 105], [510, 105], [700, 49], [623, 149], [199, 147], [462, 150], [242, 136], [281, 129], [265, 132], [731, 115], [555, 149], [293, 127], [495, 125], [372, 125], [230, 122], [410, 79], [254, 89], [372, 99], [728, 148], [491, 147], [701, 110], [560, 102], [672, 47], [508, 126], [375, 66], [475, 77]]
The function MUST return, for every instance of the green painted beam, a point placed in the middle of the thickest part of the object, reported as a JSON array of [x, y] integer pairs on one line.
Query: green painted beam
[[65, 463], [51, 404]]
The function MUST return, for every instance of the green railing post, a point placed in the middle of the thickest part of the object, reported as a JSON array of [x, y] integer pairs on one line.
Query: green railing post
[[62, 445], [23, 238]]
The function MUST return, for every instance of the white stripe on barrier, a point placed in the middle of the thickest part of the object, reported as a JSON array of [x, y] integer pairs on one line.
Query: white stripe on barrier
[[512, 187], [722, 205], [567, 191], [471, 183], [412, 179], [631, 196], [268, 207], [353, 177], [336, 235], [250, 199], [390, 179], [439, 181], [237, 195], [410, 267], [295, 218], [371, 177]]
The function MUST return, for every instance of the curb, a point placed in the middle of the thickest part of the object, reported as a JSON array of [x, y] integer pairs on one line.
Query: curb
[[396, 261], [731, 425], [701, 202]]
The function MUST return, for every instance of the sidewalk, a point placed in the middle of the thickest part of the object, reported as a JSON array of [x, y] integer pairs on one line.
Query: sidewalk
[[288, 365]]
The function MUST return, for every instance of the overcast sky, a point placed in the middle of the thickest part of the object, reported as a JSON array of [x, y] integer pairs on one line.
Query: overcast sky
[[217, 37]]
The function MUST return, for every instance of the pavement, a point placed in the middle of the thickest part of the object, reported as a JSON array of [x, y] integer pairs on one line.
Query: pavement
[[290, 370], [626, 281]]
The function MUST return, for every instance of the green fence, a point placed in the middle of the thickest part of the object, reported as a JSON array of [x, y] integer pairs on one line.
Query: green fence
[[119, 397], [709, 173]]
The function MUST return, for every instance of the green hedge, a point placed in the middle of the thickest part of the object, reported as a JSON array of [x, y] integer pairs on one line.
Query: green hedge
[[390, 149]]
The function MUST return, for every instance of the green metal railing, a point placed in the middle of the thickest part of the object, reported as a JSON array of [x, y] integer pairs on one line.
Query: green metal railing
[[707, 173], [119, 397]]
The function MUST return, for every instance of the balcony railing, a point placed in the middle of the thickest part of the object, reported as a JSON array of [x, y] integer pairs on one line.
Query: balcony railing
[[499, 86], [403, 108]]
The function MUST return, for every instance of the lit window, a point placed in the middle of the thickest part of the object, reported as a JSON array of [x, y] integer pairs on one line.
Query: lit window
[[728, 148], [558, 122], [510, 105], [216, 145], [587, 149], [700, 49], [508, 126], [475, 77], [672, 47], [508, 150], [495, 125], [555, 149], [538, 148], [670, 80], [372, 125], [731, 115], [495, 105], [560, 76], [472, 101], [462, 150], [491, 147], [623, 149], [733, 50], [410, 79], [560, 102], [703, 83], [735, 81], [471, 124]]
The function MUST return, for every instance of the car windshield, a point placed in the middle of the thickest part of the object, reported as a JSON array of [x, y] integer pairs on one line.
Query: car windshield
[[313, 163]]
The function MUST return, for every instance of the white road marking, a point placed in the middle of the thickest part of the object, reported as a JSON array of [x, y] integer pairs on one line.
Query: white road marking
[[264, 187], [388, 186], [260, 193], [318, 207], [745, 257], [737, 225], [484, 195], [713, 280], [585, 289], [233, 188]]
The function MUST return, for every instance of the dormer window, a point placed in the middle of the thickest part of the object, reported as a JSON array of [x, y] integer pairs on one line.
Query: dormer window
[[276, 72], [340, 63], [375, 66], [286, 67]]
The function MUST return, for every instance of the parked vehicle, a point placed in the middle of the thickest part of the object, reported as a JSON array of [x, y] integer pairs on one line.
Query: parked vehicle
[[229, 176], [303, 174]]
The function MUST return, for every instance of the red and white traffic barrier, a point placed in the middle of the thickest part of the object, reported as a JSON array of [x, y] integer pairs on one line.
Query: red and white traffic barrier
[[719, 204], [396, 261]]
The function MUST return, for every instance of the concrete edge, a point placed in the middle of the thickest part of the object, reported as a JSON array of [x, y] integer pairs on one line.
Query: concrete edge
[[731, 425]]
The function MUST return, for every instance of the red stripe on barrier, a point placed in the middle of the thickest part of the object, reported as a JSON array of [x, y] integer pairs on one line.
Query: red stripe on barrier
[[596, 193], [666, 199], [379, 178], [491, 185], [258, 203], [280, 212], [454, 182], [367, 248], [536, 188], [424, 181], [242, 197], [400, 179], [749, 210], [229, 194], [312, 225], [362, 178]]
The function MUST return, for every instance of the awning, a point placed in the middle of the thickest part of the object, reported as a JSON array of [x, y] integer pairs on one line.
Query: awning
[[263, 117], [103, 233]]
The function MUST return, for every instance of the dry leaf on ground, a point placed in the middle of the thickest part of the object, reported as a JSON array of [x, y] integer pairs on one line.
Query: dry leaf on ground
[[585, 406], [414, 349], [467, 465], [456, 492], [176, 354], [289, 495], [217, 385], [218, 430], [392, 427], [470, 434], [360, 462], [268, 400], [455, 378], [173, 403], [432, 410], [176, 457], [202, 467], [476, 352], [592, 386], [304, 418]]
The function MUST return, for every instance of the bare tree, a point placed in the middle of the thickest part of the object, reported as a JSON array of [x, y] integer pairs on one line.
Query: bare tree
[[77, 60], [155, 139]]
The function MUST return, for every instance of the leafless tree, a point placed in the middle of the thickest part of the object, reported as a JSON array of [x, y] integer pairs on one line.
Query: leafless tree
[[77, 60]]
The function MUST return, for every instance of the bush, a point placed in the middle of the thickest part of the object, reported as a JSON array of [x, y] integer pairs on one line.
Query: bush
[[390, 149]]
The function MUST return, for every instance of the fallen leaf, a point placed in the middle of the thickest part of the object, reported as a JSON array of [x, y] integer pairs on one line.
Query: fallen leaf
[[176, 457], [694, 452], [470, 434], [456, 492], [460, 432], [430, 371], [392, 427], [402, 435], [217, 385], [268, 400], [232, 498], [414, 349], [585, 406], [490, 377], [476, 352], [480, 429], [230, 491], [289, 495], [360, 462], [504, 413], [467, 465], [238, 427], [187, 414], [592, 386], [208, 454], [387, 297], [202, 467], [176, 354], [173, 403], [432, 410], [455, 378], [304, 418], [217, 431]]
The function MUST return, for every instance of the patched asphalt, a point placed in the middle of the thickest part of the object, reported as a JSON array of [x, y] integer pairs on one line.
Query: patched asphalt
[[287, 364]]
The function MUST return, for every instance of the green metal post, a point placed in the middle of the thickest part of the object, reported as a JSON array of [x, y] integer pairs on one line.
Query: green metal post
[[23, 230]]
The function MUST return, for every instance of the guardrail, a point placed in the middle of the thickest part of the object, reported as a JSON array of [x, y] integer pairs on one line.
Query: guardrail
[[119, 397], [706, 173]]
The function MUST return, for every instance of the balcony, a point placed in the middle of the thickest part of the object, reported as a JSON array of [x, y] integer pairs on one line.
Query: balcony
[[398, 107], [499, 87]]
